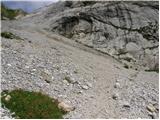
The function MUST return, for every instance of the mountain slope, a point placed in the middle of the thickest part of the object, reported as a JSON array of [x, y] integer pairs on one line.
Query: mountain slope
[[127, 31], [48, 59], [10, 14]]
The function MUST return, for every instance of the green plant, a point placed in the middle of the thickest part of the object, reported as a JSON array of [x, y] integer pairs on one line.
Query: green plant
[[9, 13], [31, 105], [10, 35]]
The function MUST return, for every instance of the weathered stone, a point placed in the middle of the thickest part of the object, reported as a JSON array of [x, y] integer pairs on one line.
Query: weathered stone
[[130, 47], [89, 84], [7, 98], [126, 104], [26, 67], [152, 115], [85, 87], [46, 76], [65, 107], [151, 108], [66, 82], [115, 96], [117, 85], [9, 65]]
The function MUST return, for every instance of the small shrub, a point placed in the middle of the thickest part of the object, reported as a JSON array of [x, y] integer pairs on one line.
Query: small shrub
[[7, 35], [10, 35], [31, 105]]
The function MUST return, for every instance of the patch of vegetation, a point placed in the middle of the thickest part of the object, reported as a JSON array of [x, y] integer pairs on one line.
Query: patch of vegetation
[[31, 105], [10, 35], [10, 14]]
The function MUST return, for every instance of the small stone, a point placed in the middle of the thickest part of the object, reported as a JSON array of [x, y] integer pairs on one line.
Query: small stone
[[77, 82], [126, 104], [46, 76], [66, 82], [117, 85], [33, 70], [26, 67], [68, 79], [13, 113], [3, 81], [152, 115], [91, 96], [85, 87], [80, 91], [115, 96], [117, 80], [52, 77], [89, 84], [151, 108], [7, 98], [9, 65], [65, 107]]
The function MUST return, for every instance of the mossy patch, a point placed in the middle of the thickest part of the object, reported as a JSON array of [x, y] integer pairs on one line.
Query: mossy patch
[[10, 35], [31, 105]]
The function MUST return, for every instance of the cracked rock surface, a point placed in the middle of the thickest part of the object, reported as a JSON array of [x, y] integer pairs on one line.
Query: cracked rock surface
[[125, 30]]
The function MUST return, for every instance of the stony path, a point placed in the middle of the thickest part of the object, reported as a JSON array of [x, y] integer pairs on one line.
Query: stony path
[[98, 87]]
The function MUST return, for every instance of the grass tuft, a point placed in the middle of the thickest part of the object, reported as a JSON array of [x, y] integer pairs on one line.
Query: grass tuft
[[32, 105], [10, 35]]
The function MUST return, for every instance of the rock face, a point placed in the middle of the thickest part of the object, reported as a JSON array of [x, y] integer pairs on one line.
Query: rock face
[[125, 30], [86, 84]]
